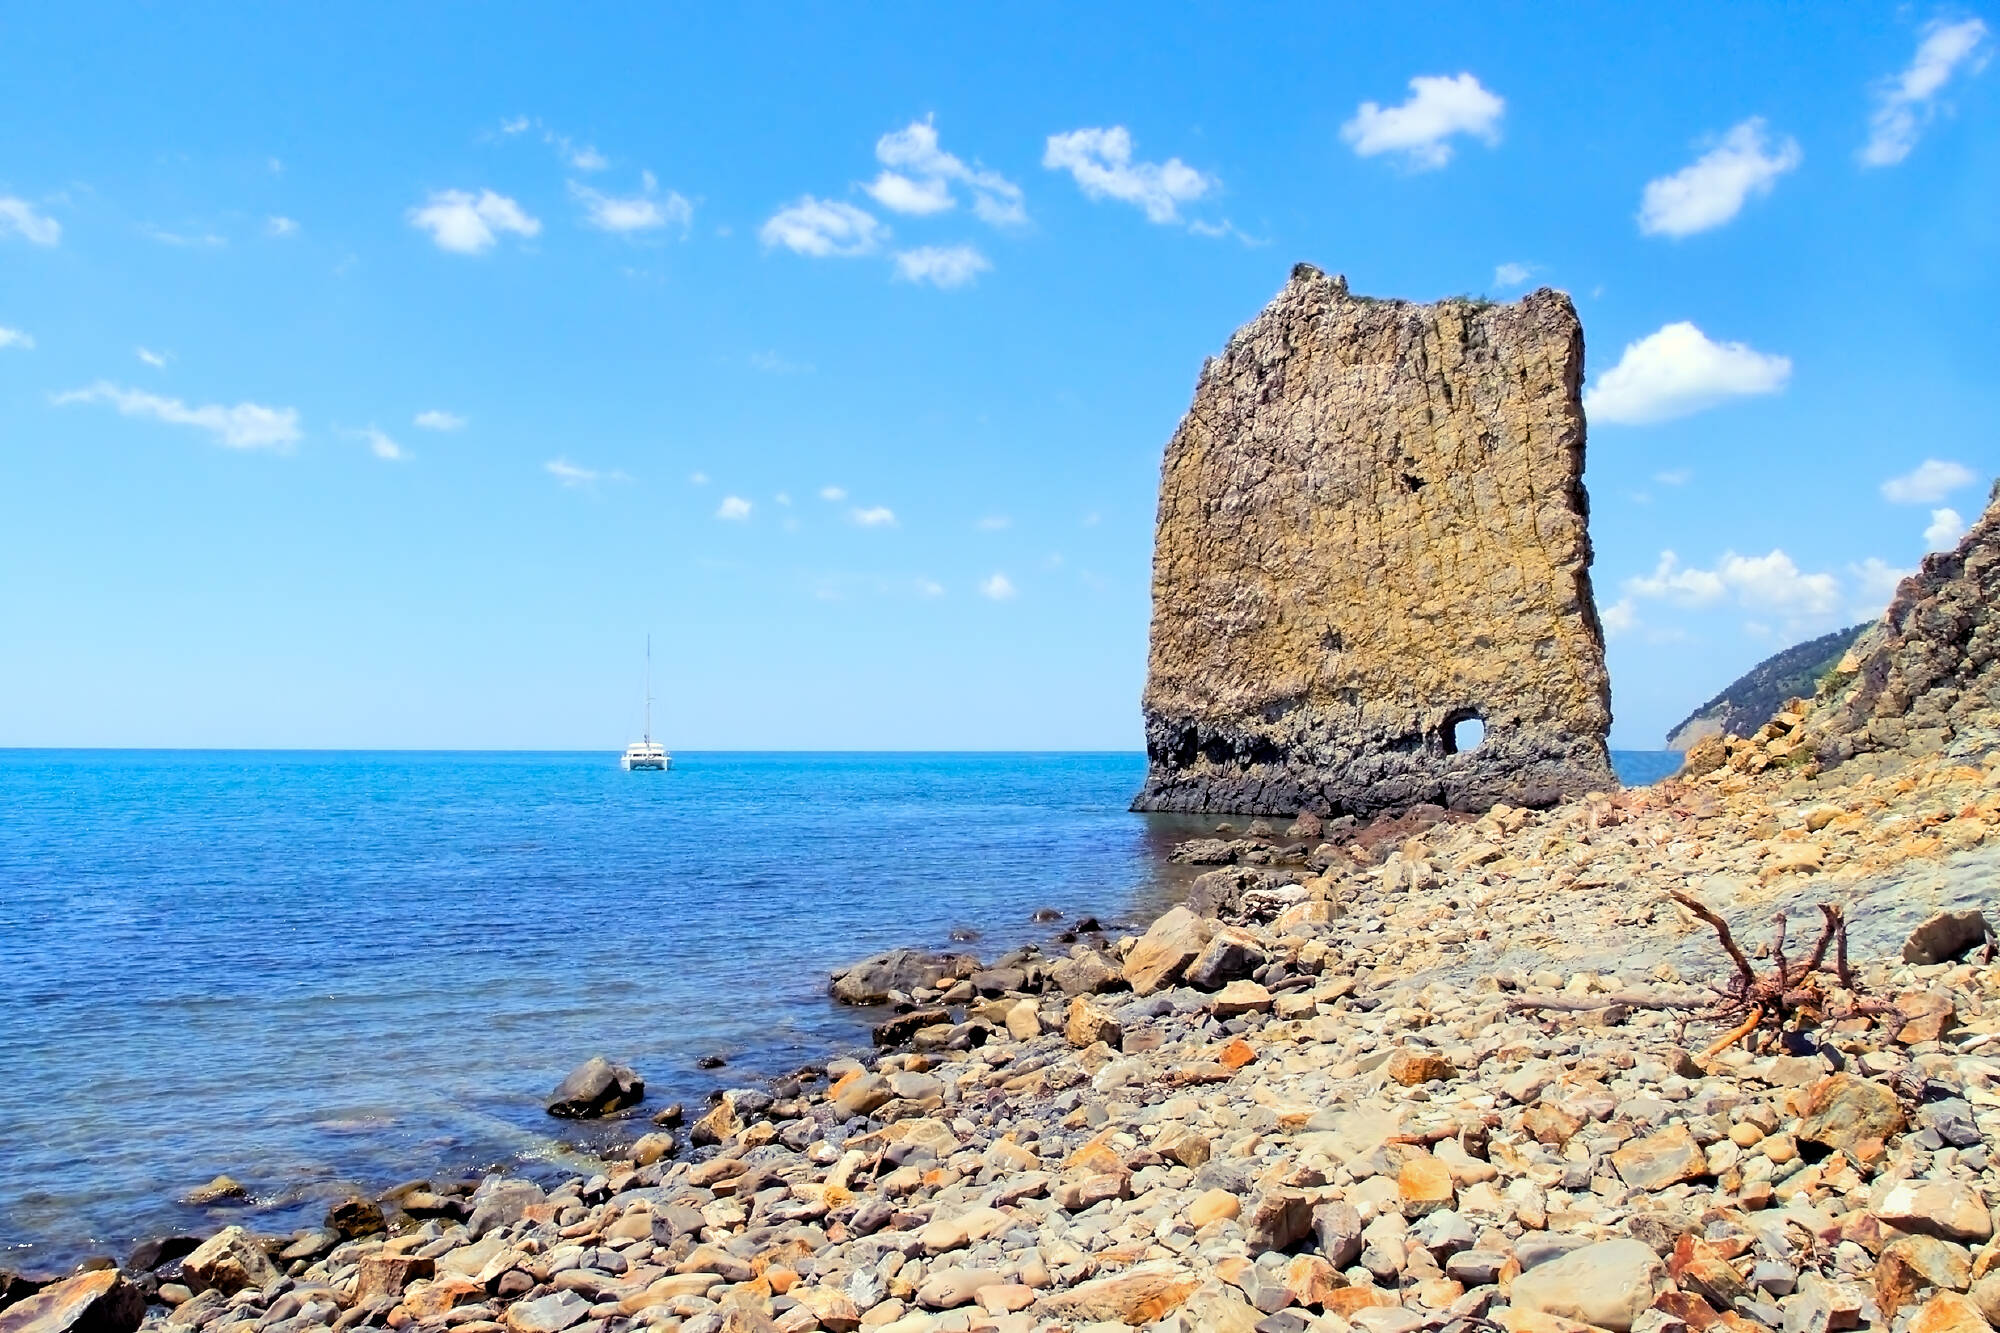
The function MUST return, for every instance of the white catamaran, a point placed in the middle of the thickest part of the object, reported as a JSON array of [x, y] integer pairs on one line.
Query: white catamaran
[[648, 753]]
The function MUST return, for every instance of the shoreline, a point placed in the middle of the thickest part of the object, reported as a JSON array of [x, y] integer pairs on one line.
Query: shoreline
[[1386, 1090]]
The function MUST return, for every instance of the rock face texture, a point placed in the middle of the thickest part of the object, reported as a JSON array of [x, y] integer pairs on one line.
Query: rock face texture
[[1373, 529], [1924, 678]]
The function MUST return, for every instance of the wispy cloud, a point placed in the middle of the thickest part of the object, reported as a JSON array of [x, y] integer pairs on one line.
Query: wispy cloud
[[1618, 618], [697, 479], [1928, 482], [919, 176], [1674, 476], [438, 419], [1907, 102], [833, 494], [1100, 161], [941, 266], [1875, 582], [469, 224], [1678, 371], [204, 240], [648, 210], [22, 219], [157, 360], [999, 587], [243, 426], [1419, 130], [994, 523], [382, 446], [880, 516], [577, 477], [1506, 277], [771, 363], [930, 588], [1713, 188], [278, 225], [734, 508], [822, 228], [16, 338]]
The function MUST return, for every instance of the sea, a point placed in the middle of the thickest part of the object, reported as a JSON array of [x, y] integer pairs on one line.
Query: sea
[[327, 971]]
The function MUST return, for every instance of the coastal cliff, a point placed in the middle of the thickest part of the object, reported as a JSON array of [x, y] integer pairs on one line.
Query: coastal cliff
[[1760, 693], [1373, 529]]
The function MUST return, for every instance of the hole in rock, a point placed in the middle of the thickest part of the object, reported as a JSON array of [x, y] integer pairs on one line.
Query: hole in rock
[[1463, 735]]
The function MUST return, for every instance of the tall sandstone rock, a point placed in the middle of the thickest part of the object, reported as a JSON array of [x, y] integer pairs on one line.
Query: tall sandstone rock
[[1924, 678], [1373, 528]]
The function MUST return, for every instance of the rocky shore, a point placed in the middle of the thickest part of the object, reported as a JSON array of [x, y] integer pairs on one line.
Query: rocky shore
[[1441, 1073]]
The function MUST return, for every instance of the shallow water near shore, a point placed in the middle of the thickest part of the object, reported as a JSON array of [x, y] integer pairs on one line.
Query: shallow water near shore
[[324, 970]]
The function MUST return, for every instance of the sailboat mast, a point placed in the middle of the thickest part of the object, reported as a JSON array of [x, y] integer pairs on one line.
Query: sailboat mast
[[649, 689]]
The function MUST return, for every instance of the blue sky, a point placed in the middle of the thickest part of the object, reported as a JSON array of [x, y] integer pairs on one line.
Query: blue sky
[[379, 376]]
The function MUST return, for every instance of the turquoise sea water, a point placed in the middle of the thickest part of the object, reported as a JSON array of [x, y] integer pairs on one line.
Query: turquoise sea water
[[319, 971]]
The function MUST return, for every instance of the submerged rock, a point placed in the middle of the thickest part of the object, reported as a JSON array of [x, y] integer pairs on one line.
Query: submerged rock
[[597, 1087]]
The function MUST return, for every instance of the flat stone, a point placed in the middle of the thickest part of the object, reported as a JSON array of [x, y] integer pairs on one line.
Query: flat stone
[[1948, 1209], [1945, 936], [1212, 1206], [1143, 1294], [1240, 997], [1160, 955], [547, 1314], [1423, 1185], [1411, 1067], [1608, 1284], [1660, 1160]]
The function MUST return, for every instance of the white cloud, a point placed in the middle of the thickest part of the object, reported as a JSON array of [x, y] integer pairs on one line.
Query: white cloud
[[1928, 482], [881, 516], [1713, 189], [648, 210], [783, 498], [940, 265], [244, 426], [1000, 588], [578, 477], [1618, 617], [994, 523], [1676, 476], [438, 419], [822, 227], [277, 225], [1876, 582], [587, 158], [920, 175], [900, 194], [1687, 587], [930, 588], [734, 508], [16, 338], [1439, 107], [697, 479], [382, 446], [1678, 371], [157, 360], [1218, 230], [1771, 582], [832, 494], [1945, 530], [1906, 103], [515, 124], [468, 224], [19, 216], [1512, 275], [1100, 160]]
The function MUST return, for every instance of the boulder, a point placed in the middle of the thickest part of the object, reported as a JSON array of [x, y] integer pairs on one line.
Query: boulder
[[1843, 1110], [597, 1087], [1163, 953], [227, 1262], [1277, 1220], [1608, 1284], [1085, 973], [871, 980], [1086, 1024], [1230, 955], [1412, 1067], [1338, 1227], [354, 1216], [1945, 936], [1947, 1209], [99, 1302], [501, 1202], [385, 1275]]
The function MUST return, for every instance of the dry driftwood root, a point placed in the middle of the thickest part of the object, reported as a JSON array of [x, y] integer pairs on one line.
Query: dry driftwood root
[[1790, 996]]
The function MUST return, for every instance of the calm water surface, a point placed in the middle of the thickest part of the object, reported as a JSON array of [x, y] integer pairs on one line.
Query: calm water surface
[[318, 971]]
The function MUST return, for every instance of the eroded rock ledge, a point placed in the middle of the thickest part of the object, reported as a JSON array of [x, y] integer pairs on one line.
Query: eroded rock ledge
[[1372, 529]]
